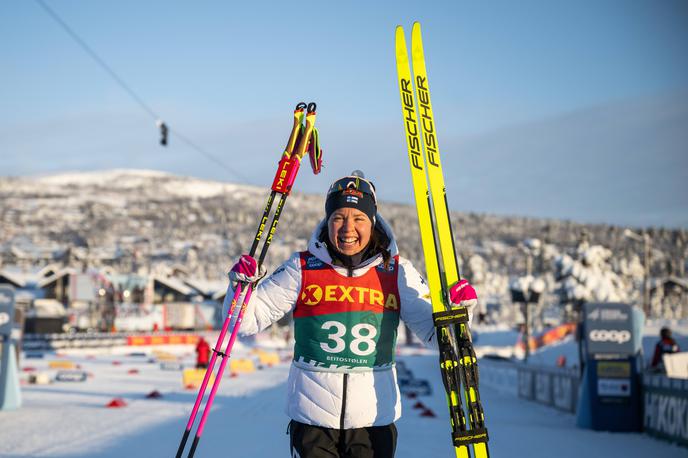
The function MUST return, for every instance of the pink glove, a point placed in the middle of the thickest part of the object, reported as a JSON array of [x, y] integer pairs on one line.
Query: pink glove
[[462, 294], [246, 270]]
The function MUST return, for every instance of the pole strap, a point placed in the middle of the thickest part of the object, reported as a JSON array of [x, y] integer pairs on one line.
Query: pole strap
[[221, 353]]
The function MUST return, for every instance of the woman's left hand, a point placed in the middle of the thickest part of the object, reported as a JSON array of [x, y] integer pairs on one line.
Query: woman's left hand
[[462, 294]]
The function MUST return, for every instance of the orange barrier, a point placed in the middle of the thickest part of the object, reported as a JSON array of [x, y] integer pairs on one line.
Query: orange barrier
[[62, 365], [162, 340], [164, 356], [241, 365], [192, 378], [549, 337], [558, 333], [268, 358]]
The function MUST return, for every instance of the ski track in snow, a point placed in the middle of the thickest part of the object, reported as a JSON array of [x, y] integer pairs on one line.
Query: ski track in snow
[[63, 420]]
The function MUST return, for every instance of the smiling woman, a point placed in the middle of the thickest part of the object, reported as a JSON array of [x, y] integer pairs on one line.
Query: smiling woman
[[349, 230], [350, 213], [347, 292]]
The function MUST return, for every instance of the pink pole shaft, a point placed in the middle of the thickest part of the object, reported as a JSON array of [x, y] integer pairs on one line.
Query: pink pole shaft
[[211, 363], [221, 370]]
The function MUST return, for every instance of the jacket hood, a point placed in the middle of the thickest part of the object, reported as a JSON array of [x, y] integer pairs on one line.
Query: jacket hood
[[319, 249]]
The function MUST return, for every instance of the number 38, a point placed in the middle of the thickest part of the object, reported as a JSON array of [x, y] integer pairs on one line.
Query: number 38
[[366, 341]]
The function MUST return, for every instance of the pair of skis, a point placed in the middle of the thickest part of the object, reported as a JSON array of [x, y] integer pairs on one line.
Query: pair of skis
[[458, 363], [302, 140]]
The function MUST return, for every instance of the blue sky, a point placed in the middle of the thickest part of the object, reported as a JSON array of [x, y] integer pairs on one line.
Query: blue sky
[[572, 110]]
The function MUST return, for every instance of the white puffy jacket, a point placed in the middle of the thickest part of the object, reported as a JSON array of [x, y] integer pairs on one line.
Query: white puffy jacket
[[339, 399]]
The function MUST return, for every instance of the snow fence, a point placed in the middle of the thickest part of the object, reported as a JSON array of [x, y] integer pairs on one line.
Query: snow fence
[[665, 400]]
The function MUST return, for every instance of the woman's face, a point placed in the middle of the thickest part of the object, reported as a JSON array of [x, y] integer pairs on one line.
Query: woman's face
[[349, 230]]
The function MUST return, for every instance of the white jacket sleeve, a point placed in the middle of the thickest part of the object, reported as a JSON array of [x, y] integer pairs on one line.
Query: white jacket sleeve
[[416, 308], [273, 298]]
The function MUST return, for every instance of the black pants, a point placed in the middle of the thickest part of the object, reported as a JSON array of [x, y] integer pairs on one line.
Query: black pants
[[308, 441]]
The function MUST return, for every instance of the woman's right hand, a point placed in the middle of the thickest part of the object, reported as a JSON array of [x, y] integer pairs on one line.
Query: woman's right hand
[[246, 270]]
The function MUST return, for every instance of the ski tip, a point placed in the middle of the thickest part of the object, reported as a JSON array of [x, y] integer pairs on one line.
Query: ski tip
[[399, 37]]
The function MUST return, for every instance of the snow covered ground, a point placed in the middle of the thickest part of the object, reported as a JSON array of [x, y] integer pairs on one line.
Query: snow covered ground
[[69, 419]]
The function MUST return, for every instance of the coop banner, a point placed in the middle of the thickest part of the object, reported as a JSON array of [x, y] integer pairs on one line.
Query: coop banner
[[609, 328]]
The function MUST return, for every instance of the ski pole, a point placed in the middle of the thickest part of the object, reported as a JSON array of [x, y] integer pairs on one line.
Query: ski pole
[[295, 132], [282, 184]]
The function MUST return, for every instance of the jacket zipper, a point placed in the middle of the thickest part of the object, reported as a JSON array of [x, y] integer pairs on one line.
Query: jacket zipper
[[341, 419], [350, 273]]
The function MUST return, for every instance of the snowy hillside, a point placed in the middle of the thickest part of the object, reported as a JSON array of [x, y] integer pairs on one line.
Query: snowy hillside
[[135, 221]]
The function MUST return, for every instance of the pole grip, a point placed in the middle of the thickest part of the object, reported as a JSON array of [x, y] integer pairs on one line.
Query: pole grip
[[286, 174]]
